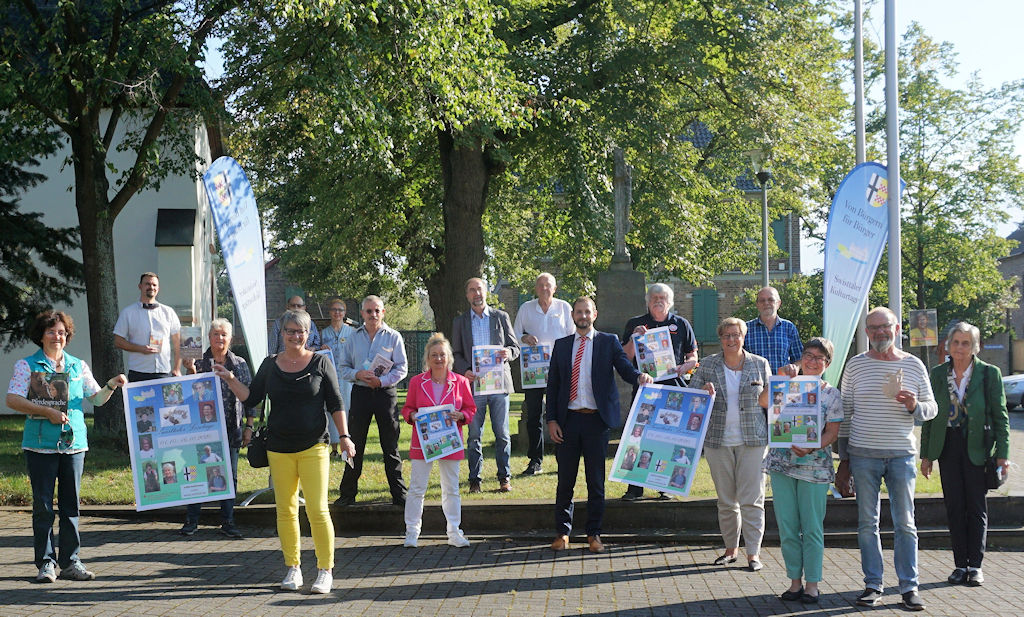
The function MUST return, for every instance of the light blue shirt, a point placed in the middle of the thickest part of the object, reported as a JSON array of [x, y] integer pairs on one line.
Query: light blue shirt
[[481, 325], [359, 351], [336, 342]]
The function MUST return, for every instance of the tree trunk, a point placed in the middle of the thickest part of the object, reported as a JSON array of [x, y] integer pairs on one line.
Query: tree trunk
[[466, 173], [97, 228]]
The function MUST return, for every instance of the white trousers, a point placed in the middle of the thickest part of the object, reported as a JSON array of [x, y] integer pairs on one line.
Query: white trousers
[[739, 482], [451, 503]]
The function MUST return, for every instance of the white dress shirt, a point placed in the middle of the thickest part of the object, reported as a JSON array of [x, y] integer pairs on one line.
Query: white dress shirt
[[584, 389], [547, 327]]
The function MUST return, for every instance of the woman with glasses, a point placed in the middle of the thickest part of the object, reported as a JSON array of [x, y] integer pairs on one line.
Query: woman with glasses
[[736, 438], [436, 385], [800, 480], [301, 385], [54, 442], [971, 392]]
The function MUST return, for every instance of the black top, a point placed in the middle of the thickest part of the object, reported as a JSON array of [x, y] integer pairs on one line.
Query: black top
[[684, 341], [296, 420]]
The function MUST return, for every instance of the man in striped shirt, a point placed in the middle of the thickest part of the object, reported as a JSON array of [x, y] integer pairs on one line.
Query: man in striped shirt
[[884, 390]]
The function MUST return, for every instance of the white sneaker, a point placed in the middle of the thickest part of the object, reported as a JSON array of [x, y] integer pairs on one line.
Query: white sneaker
[[458, 540], [324, 582], [411, 539], [292, 579], [47, 574]]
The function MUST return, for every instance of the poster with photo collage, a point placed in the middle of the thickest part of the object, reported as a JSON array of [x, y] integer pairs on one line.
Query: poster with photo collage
[[794, 414], [177, 441], [663, 438]]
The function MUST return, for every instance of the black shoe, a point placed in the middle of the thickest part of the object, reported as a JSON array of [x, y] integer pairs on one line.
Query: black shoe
[[869, 597], [791, 596], [345, 501], [532, 469], [755, 565], [664, 496], [958, 577], [975, 578], [630, 496], [398, 501], [474, 486], [229, 530], [912, 601], [809, 599], [188, 529], [724, 560]]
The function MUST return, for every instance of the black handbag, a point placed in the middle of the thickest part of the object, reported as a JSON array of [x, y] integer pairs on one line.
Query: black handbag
[[993, 479], [257, 452]]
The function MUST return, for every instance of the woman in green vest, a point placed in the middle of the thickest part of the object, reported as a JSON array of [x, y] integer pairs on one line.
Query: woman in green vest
[[971, 391], [54, 439]]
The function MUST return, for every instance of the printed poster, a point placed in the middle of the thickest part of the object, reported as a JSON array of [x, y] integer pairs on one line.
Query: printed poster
[[923, 328], [654, 353], [177, 441], [49, 390], [663, 438], [489, 370], [794, 414], [191, 343], [439, 433], [379, 366], [534, 361]]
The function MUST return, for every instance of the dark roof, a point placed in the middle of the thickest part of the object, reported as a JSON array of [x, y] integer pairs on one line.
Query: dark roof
[[175, 227], [698, 134], [1018, 235]]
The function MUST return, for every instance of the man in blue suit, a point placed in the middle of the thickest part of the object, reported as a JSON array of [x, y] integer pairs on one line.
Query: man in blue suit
[[582, 406]]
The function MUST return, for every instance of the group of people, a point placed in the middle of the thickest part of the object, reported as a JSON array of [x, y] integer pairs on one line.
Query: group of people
[[316, 406]]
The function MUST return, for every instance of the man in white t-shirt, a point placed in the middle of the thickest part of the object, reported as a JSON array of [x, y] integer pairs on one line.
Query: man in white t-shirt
[[884, 391], [150, 334], [543, 320]]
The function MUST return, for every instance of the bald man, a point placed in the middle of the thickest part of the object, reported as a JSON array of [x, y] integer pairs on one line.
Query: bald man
[[276, 343]]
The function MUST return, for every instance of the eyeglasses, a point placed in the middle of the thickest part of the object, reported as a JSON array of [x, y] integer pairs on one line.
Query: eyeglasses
[[438, 356], [296, 306], [57, 333], [67, 437], [810, 357], [880, 327], [337, 310], [293, 332], [729, 337]]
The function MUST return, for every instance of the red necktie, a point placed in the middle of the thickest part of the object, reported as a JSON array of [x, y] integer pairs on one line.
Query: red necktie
[[575, 382]]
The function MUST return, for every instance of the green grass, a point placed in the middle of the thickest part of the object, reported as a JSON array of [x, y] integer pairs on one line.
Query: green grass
[[107, 479]]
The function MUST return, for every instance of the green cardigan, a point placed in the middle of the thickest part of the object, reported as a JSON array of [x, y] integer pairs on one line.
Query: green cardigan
[[933, 433]]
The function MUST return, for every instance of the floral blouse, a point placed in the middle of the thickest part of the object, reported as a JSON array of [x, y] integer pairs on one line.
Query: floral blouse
[[817, 466]]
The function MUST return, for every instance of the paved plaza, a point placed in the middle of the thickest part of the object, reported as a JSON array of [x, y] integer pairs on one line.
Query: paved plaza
[[146, 568]]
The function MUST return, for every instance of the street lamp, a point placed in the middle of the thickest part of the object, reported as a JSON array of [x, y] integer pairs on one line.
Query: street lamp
[[763, 176]]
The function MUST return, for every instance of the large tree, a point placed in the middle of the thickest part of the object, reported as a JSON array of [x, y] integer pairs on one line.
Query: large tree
[[37, 269], [112, 75], [413, 146]]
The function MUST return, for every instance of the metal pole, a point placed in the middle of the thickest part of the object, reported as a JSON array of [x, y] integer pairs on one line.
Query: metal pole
[[858, 114], [892, 138], [764, 233]]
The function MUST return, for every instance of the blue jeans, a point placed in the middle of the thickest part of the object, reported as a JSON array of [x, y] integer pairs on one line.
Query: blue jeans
[[44, 470], [498, 404], [227, 506], [900, 478]]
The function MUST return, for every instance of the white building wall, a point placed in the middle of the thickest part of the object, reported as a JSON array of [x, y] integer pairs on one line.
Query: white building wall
[[185, 273]]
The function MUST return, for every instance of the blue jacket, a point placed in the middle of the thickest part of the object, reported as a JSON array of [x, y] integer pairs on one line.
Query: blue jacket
[[606, 356], [40, 433]]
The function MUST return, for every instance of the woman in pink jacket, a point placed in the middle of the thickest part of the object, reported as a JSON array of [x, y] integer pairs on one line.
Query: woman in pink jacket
[[436, 385]]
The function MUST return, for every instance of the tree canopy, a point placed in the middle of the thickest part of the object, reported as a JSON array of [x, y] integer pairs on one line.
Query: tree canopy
[[398, 148]]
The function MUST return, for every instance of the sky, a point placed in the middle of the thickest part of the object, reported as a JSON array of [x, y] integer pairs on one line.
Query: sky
[[987, 39]]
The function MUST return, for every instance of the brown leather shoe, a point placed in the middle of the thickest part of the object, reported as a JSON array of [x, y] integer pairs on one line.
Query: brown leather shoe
[[506, 486], [561, 543], [596, 546]]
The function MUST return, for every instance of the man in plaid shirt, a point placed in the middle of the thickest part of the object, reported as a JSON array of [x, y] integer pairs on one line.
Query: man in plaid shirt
[[773, 337]]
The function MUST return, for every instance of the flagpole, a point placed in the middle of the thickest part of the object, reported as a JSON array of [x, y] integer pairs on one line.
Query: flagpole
[[858, 115], [892, 138]]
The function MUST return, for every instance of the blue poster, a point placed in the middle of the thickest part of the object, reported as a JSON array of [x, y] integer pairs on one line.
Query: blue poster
[[858, 227], [663, 438], [241, 242], [177, 441]]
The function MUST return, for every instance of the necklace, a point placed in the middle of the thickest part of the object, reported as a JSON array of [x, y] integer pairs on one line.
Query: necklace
[[438, 381]]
